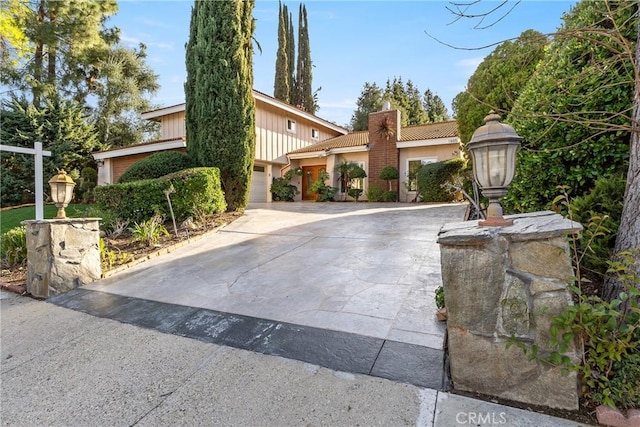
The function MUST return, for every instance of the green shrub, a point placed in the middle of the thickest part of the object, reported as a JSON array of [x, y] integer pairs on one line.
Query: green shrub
[[390, 196], [155, 166], [281, 188], [13, 246], [325, 193], [196, 189], [389, 173], [604, 205], [88, 181], [375, 193], [432, 176], [149, 231], [439, 297], [355, 193]]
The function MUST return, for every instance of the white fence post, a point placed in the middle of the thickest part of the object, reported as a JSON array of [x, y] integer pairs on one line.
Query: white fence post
[[37, 152]]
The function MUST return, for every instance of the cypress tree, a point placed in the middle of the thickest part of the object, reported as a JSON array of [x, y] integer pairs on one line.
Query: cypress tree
[[304, 93], [291, 56], [220, 108], [282, 84]]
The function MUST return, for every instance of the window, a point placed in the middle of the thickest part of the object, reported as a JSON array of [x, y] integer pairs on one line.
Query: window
[[315, 133], [258, 168], [413, 166], [291, 126]]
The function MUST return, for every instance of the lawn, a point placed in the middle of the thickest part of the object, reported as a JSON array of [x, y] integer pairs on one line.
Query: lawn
[[11, 218]]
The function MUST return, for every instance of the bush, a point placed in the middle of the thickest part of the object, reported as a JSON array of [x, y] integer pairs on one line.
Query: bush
[[389, 173], [432, 176], [390, 196], [605, 199], [88, 181], [375, 193], [281, 188], [155, 166], [13, 246], [196, 189], [355, 193], [325, 192]]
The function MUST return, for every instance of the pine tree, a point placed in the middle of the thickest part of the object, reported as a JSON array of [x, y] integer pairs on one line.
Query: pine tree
[[434, 107], [220, 108], [304, 98], [282, 84], [370, 101]]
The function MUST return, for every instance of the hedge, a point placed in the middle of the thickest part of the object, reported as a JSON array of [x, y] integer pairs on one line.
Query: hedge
[[155, 166], [431, 177], [197, 190]]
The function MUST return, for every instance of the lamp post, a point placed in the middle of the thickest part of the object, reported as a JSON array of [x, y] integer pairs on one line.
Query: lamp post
[[61, 192], [493, 148]]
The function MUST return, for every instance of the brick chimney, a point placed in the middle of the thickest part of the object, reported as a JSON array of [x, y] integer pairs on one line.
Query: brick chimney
[[384, 132]]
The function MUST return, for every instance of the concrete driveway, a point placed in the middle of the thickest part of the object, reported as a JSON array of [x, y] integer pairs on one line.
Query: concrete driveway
[[364, 268]]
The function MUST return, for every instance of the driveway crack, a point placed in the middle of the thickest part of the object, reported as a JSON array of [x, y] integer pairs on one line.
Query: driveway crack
[[269, 260]]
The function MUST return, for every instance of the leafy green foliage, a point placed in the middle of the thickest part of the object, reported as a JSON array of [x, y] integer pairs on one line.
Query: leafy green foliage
[[304, 95], [61, 127], [432, 177], [282, 83], [355, 193], [390, 196], [282, 189], [155, 166], [13, 246], [88, 181], [149, 231], [439, 297], [573, 112], [375, 193], [600, 212], [498, 81], [221, 128], [325, 193], [389, 173], [110, 258], [197, 189]]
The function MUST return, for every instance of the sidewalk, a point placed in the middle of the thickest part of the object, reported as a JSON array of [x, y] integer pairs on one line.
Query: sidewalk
[[62, 367]]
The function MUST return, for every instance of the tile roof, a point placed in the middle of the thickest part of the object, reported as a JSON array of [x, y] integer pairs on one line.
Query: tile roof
[[352, 139], [430, 131], [410, 133]]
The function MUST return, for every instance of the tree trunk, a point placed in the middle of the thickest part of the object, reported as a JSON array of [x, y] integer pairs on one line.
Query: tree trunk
[[38, 61], [628, 237]]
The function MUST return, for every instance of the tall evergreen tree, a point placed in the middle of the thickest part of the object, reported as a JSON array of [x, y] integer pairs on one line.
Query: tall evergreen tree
[[282, 83], [291, 54], [415, 112], [220, 108], [369, 101], [434, 107], [304, 94]]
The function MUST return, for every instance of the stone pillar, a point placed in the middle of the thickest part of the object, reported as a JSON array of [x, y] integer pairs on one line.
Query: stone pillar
[[62, 254], [503, 282]]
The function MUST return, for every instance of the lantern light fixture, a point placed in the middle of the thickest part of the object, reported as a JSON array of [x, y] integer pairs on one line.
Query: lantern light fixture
[[61, 192], [493, 149]]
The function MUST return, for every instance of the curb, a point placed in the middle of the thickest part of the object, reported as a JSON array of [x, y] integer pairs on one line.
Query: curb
[[161, 251]]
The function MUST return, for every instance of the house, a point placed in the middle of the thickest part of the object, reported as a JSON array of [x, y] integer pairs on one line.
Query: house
[[288, 138], [280, 128], [385, 143]]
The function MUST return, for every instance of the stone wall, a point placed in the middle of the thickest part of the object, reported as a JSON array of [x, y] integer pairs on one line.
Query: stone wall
[[62, 254], [503, 282]]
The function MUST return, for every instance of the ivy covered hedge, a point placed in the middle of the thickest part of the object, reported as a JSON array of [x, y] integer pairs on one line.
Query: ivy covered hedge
[[431, 177], [155, 166], [197, 190]]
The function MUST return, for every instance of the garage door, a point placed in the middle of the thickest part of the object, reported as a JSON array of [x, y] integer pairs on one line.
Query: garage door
[[258, 192]]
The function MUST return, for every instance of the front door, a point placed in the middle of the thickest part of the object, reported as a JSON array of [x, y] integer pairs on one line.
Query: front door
[[310, 174]]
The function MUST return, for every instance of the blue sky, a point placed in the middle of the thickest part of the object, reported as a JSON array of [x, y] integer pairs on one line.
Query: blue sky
[[352, 42]]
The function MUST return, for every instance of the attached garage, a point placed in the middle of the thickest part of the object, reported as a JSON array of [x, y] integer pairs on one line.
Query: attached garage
[[259, 184]]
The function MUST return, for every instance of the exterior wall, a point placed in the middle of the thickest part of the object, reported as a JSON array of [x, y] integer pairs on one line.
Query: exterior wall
[[383, 151], [173, 126], [274, 141], [437, 152]]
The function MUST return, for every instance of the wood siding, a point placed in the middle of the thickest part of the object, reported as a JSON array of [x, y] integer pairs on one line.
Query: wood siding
[[172, 125]]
